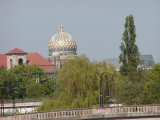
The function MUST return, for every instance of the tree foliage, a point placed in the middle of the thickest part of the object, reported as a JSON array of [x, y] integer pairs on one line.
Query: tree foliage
[[131, 82], [20, 82], [35, 90], [21, 77], [129, 88], [151, 93], [3, 83], [129, 56], [77, 87]]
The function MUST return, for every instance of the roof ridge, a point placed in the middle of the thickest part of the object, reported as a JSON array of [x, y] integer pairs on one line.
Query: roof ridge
[[16, 51]]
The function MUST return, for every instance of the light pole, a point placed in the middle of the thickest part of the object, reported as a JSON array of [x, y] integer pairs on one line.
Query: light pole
[[104, 74], [107, 89]]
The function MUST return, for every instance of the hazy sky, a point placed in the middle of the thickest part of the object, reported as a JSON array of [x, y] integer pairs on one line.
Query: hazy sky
[[96, 25]]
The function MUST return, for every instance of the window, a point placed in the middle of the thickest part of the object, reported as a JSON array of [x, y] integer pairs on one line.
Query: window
[[57, 49], [69, 49], [20, 61], [65, 49], [61, 48], [72, 49], [11, 63]]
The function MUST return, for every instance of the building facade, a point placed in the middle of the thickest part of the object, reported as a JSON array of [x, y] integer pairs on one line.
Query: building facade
[[19, 57]]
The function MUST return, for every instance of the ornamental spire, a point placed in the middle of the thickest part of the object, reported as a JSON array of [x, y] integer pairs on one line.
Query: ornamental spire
[[62, 28]]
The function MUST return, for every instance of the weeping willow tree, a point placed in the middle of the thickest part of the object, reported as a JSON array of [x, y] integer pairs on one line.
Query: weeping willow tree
[[77, 87]]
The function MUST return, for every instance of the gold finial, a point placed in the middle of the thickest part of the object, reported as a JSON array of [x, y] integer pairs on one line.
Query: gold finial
[[61, 28]]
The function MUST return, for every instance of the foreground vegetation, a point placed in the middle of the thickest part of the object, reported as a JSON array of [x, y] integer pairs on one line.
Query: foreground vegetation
[[20, 82], [77, 86]]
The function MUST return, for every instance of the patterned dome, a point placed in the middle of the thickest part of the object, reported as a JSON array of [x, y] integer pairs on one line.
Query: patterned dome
[[62, 43]]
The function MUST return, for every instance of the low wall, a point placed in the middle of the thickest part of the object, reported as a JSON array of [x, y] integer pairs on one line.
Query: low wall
[[21, 107], [110, 112]]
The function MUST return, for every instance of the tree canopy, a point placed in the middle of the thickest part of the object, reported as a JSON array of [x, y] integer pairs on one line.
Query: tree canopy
[[77, 87], [129, 56], [131, 78], [20, 81], [151, 93], [129, 88]]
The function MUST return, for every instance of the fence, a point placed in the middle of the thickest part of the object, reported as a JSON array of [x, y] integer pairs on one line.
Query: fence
[[110, 112]]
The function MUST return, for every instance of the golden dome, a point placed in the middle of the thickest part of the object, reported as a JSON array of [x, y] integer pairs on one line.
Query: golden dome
[[62, 43]]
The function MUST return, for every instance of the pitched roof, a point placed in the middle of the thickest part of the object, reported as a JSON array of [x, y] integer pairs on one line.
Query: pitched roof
[[15, 51], [3, 60], [37, 59]]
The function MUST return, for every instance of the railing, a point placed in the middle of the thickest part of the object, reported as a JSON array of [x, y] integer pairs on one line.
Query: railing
[[124, 111], [143, 110], [49, 115], [136, 109]]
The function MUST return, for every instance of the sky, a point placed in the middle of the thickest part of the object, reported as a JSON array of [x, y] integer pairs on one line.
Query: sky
[[96, 25]]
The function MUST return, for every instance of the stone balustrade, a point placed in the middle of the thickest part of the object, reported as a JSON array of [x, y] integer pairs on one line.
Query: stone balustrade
[[109, 112]]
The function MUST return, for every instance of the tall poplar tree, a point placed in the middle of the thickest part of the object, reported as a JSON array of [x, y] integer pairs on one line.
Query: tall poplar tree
[[129, 56]]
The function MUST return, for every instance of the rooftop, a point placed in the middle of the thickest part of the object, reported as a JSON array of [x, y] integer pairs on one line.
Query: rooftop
[[36, 59], [16, 51]]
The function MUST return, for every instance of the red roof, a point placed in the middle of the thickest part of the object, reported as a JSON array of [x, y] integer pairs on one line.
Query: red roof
[[37, 59], [15, 51], [3, 60]]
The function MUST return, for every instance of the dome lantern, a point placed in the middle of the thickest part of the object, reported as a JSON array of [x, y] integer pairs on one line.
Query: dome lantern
[[62, 28]]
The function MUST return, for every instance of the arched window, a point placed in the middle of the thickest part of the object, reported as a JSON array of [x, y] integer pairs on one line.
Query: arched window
[[11, 63], [72, 49], [57, 49], [20, 61], [65, 49], [54, 49], [69, 49], [61, 48]]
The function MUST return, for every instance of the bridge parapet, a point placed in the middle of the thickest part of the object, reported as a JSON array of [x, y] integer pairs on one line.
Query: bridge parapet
[[109, 112]]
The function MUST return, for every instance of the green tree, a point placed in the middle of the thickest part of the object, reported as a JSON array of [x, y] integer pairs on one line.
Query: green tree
[[77, 87], [49, 87], [3, 83], [22, 76], [151, 93], [35, 90], [76, 83], [131, 79], [129, 56], [129, 88]]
